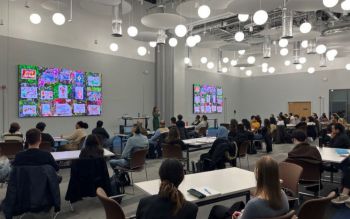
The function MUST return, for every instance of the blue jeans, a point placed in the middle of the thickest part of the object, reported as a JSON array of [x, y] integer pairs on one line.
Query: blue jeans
[[119, 162]]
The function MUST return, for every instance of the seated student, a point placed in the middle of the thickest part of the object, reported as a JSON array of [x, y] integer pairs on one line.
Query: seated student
[[233, 129], [254, 124], [297, 119], [345, 183], [202, 124], [154, 141], [13, 134], [197, 120], [324, 118], [137, 141], [75, 138], [303, 151], [169, 202], [172, 122], [173, 138], [45, 137], [100, 132], [339, 139], [273, 119], [270, 201], [91, 148], [180, 123], [242, 135], [280, 121], [246, 124], [33, 156], [302, 125], [266, 132]]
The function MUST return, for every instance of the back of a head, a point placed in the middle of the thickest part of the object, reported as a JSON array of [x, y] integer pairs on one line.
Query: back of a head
[[33, 136], [222, 132], [198, 117], [137, 128], [83, 125], [267, 123], [205, 118], [99, 124], [162, 123], [171, 174], [339, 127], [41, 126], [14, 127], [173, 120], [299, 135], [92, 148], [268, 181], [92, 141], [179, 117], [173, 134], [240, 128]]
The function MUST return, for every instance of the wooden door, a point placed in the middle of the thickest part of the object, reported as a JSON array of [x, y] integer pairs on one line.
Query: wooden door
[[300, 108]]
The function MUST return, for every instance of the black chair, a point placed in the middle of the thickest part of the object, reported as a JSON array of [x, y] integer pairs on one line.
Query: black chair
[[10, 149]]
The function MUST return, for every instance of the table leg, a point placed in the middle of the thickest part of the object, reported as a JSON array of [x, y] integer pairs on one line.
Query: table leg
[[188, 158]]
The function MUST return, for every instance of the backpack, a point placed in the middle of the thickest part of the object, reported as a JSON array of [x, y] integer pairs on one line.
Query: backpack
[[116, 188]]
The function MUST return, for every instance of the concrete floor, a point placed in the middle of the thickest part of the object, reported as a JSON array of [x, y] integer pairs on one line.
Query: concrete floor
[[92, 209]]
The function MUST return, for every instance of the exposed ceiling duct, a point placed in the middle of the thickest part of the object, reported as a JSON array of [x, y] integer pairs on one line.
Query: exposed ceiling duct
[[267, 47], [219, 61], [117, 20], [161, 37], [323, 60], [287, 22], [336, 30], [296, 52], [311, 47]]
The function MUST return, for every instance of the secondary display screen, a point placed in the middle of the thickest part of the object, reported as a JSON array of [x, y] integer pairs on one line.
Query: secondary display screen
[[207, 99], [50, 92]]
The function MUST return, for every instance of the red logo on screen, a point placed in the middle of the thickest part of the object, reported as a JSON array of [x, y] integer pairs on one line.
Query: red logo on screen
[[28, 74]]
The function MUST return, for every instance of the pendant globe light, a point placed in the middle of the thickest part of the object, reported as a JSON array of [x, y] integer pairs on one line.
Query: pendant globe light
[[345, 5], [239, 36], [142, 51], [204, 11], [35, 18], [204, 60], [311, 70], [243, 17], [152, 44], [58, 18], [305, 27], [172, 42], [180, 30], [330, 3], [283, 42], [113, 47], [132, 31], [260, 17]]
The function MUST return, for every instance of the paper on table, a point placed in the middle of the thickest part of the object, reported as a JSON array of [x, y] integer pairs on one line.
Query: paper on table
[[207, 191]]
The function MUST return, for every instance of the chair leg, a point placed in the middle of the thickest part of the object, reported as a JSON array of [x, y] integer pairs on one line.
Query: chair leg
[[71, 206], [132, 183], [248, 162], [55, 214]]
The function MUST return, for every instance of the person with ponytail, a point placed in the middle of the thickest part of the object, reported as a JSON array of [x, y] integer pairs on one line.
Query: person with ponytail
[[76, 137], [169, 203]]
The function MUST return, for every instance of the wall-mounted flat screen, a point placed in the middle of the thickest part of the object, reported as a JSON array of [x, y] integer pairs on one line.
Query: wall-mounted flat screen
[[207, 99], [52, 92]]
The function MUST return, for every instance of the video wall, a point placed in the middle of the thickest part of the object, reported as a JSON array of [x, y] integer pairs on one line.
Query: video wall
[[50, 92], [207, 99]]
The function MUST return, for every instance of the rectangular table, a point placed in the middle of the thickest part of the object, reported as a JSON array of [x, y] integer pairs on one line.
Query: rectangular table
[[230, 183], [197, 144], [73, 155]]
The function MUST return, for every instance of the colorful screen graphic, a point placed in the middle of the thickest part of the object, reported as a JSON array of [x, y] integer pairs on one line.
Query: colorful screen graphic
[[207, 99], [46, 92]]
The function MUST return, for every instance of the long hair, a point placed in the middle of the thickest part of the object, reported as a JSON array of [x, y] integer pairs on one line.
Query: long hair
[[92, 148], [268, 181], [171, 175], [173, 134]]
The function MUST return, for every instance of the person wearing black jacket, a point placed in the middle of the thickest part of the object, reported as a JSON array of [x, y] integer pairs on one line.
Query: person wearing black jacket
[[242, 135], [45, 137], [179, 122], [100, 131], [339, 139]]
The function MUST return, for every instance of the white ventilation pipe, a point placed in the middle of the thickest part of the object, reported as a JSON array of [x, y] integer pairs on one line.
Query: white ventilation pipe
[[117, 20], [296, 52], [287, 22], [267, 47]]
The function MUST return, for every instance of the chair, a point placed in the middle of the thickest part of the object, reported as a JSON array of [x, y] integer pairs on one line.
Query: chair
[[81, 143], [289, 215], [10, 149], [232, 159], [242, 152], [315, 208], [137, 164], [112, 209], [202, 132], [45, 146], [290, 175], [172, 151]]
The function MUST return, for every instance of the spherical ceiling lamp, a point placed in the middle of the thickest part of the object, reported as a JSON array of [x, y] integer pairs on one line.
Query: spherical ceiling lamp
[[287, 63], [187, 60], [251, 60], [241, 52], [320, 49], [198, 38], [331, 54], [243, 17], [311, 70], [304, 44], [152, 44], [330, 3], [224, 69], [172, 42], [204, 60], [264, 65], [272, 70], [305, 27], [180, 30], [239, 36], [345, 5], [284, 52], [191, 41], [302, 60], [242, 68], [204, 11], [210, 65], [113, 47], [347, 67], [132, 31], [58, 18], [249, 73], [332, 58], [225, 60], [35, 18], [260, 17], [142, 51], [264, 70], [283, 42], [233, 62], [299, 66]]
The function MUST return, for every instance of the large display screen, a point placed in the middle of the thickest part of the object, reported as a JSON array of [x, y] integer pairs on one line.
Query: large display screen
[[48, 92], [207, 99]]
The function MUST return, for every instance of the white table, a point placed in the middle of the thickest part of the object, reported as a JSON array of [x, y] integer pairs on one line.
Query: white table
[[73, 155], [197, 144], [230, 183]]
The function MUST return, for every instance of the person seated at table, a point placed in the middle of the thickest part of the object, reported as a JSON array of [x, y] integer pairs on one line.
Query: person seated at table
[[137, 141], [233, 129], [101, 132], [76, 137], [197, 120], [273, 119], [172, 122], [45, 137], [33, 156], [280, 121], [266, 132], [92, 148], [297, 118], [254, 124], [155, 141], [344, 197], [324, 118], [179, 122], [246, 124], [302, 125], [13, 134], [202, 124], [169, 202], [243, 135], [270, 200], [339, 139], [303, 151], [173, 138]]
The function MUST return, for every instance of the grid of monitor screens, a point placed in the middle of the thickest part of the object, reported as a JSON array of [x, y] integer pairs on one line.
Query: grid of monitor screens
[[207, 99], [53, 92]]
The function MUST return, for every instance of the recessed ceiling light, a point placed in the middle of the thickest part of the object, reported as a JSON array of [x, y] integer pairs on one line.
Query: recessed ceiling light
[[287, 63], [210, 65], [35, 18], [113, 47]]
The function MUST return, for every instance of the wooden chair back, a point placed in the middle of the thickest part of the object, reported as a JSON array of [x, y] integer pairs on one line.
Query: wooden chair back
[[112, 209], [10, 149], [172, 151]]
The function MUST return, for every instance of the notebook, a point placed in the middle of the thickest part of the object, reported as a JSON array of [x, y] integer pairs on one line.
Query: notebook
[[342, 152]]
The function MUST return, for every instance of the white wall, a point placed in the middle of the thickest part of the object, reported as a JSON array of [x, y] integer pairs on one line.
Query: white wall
[[125, 88]]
